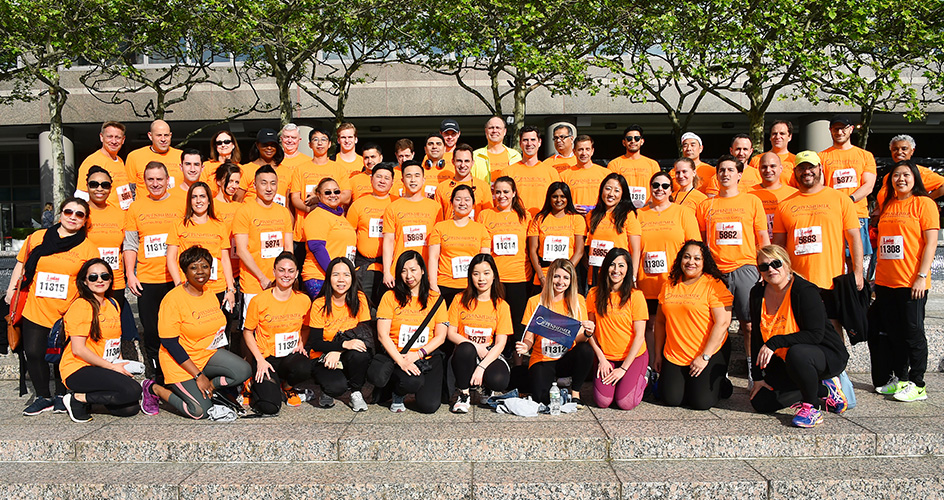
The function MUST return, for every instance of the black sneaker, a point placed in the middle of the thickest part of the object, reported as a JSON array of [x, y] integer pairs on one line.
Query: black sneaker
[[39, 405], [77, 410], [325, 401], [57, 405]]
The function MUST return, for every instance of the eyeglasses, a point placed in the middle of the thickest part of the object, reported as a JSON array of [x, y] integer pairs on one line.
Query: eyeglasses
[[559, 138], [96, 185], [663, 185], [633, 138], [336, 191], [92, 278], [222, 142], [320, 140], [68, 212], [765, 266]]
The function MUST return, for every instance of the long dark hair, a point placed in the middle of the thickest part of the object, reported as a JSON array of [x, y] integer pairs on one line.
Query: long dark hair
[[95, 330], [351, 298], [516, 202], [189, 213], [470, 294], [401, 291], [709, 266], [604, 286], [225, 172], [547, 209], [620, 211], [917, 190]]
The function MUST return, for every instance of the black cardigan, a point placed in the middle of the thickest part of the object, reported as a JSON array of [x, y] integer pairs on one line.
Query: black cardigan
[[810, 315]]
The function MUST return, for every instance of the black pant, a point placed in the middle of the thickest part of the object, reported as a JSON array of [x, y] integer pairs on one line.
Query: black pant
[[352, 376], [576, 363], [516, 295], [372, 284], [149, 304], [34, 339], [266, 396], [798, 378], [427, 386], [464, 361], [449, 294], [129, 330], [299, 248], [901, 348], [702, 392], [118, 393]]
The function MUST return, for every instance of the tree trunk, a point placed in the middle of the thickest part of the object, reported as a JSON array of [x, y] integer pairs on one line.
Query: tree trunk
[[865, 117], [57, 100], [286, 108], [521, 98]]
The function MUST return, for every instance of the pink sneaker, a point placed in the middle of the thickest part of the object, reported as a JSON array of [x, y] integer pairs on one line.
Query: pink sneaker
[[150, 404]]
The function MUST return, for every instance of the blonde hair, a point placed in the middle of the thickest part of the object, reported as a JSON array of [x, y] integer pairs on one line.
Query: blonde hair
[[570, 295], [776, 252]]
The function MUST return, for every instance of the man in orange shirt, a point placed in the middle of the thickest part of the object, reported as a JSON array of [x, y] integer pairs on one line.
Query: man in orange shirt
[[435, 166], [408, 221], [585, 177], [347, 157], [770, 190], [564, 144], [462, 162], [494, 157], [531, 176], [692, 148], [159, 151], [290, 139], [403, 149], [360, 181], [366, 215], [191, 169], [741, 148], [781, 133], [122, 192], [449, 129], [634, 167], [902, 148]]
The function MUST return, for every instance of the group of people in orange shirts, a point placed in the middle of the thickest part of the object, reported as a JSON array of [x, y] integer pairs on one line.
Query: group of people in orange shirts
[[255, 274]]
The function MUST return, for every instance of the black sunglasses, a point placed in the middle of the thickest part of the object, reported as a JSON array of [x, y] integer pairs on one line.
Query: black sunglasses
[[78, 213], [224, 141], [633, 138], [96, 184], [663, 185], [765, 266], [336, 191], [92, 278]]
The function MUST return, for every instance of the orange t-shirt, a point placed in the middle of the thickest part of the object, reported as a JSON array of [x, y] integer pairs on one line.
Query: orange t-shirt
[[731, 226], [212, 235], [557, 236], [247, 182], [299, 159], [901, 241], [338, 321], [814, 225], [483, 322], [546, 349], [197, 322], [509, 237], [787, 160], [78, 323], [457, 246], [690, 199], [843, 169], [749, 178], [771, 199], [615, 330], [532, 183], [154, 221], [931, 182], [337, 233], [353, 166], [226, 212], [637, 173], [277, 324], [662, 236], [405, 320], [53, 286], [106, 230], [781, 322], [366, 215], [560, 163], [411, 222], [360, 185], [483, 195], [266, 228], [688, 321], [139, 158], [434, 177], [305, 179], [121, 194], [605, 237], [585, 183]]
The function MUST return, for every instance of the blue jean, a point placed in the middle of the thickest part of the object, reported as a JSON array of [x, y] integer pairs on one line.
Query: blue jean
[[313, 287]]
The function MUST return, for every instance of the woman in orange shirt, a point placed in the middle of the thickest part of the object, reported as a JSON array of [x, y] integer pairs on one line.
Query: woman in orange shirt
[[612, 224], [799, 354], [329, 235], [686, 181], [692, 330], [556, 232], [88, 366], [550, 360], [453, 243], [907, 234], [274, 331], [619, 311]]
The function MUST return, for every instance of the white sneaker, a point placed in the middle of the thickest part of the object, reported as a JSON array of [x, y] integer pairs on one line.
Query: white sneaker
[[357, 401], [462, 404], [911, 392], [893, 386], [397, 405]]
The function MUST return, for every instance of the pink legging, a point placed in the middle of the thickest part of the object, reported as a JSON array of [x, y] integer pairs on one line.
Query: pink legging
[[628, 391]]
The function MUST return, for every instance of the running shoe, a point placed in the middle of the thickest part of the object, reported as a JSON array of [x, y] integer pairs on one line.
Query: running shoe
[[77, 410], [397, 405], [357, 401], [325, 401], [836, 400], [150, 403], [806, 416], [894, 385], [291, 398], [57, 405], [911, 392], [38, 406], [462, 404]]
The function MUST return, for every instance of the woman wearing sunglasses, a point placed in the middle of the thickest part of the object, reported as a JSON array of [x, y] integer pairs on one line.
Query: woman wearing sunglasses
[[329, 235], [798, 355], [665, 226], [48, 262], [223, 148], [88, 366]]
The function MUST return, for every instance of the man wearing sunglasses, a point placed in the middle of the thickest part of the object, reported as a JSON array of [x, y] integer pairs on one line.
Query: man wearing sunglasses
[[159, 150], [113, 138], [634, 167], [563, 137]]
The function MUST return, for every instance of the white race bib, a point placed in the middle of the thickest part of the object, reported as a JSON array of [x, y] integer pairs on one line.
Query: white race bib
[[808, 240], [414, 236], [112, 256], [406, 331], [478, 335], [350, 252], [171, 182], [892, 248], [655, 263], [638, 195], [770, 224], [125, 196], [430, 192], [375, 228], [551, 349], [285, 343], [219, 340], [271, 244], [598, 251], [460, 267], [728, 233], [213, 269], [505, 244], [309, 190], [155, 245], [280, 199], [52, 285], [556, 247], [112, 350], [845, 178]]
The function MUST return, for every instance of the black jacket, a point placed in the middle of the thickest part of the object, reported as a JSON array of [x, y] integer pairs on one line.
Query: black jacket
[[810, 315]]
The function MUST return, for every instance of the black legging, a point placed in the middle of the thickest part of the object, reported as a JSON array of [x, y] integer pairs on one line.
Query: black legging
[[702, 392], [798, 378], [352, 376], [117, 392], [427, 386], [449, 293], [148, 305], [266, 396], [464, 361], [576, 363], [516, 295], [901, 348], [35, 338]]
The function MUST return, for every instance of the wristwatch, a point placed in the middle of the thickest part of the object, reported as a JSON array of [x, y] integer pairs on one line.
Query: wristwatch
[[922, 275], [705, 357]]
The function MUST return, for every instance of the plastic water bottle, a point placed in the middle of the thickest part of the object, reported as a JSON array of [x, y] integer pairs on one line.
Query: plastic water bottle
[[555, 397]]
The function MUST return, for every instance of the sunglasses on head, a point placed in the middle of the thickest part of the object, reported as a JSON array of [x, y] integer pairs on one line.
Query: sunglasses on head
[[765, 266], [92, 278], [96, 185], [336, 191], [221, 142], [68, 212], [663, 185], [633, 138]]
